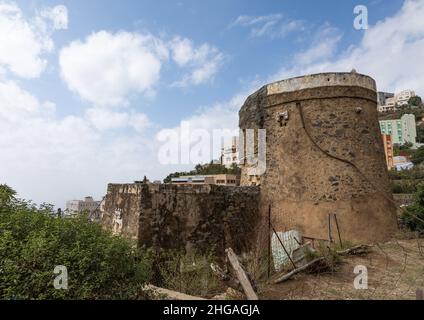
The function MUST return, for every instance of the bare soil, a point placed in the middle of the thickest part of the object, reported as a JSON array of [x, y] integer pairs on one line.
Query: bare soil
[[395, 271]]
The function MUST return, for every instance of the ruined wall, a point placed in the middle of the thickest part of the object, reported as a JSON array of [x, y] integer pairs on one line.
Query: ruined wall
[[203, 217], [331, 162]]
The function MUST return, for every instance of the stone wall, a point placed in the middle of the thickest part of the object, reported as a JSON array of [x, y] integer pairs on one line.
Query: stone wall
[[204, 217], [332, 161]]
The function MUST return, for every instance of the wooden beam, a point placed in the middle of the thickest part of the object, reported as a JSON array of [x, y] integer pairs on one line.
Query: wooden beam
[[338, 230], [241, 275], [355, 250], [226, 277], [296, 271], [170, 294]]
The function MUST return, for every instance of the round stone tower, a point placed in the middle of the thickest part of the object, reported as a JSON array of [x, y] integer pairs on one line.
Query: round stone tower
[[324, 156]]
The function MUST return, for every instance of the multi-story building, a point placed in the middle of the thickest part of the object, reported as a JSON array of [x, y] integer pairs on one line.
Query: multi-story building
[[73, 207], [388, 150], [401, 130], [389, 102], [402, 98], [382, 96], [230, 155], [218, 179]]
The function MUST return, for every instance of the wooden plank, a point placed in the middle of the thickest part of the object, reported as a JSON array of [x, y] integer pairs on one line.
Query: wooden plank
[[170, 294], [269, 241], [296, 271], [241, 275], [355, 250], [338, 230], [330, 238], [226, 277]]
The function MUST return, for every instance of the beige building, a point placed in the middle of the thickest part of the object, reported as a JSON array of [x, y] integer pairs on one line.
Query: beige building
[[230, 155], [400, 99], [218, 179], [73, 207]]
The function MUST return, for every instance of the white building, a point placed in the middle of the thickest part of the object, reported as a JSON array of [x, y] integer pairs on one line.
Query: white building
[[230, 154], [402, 98], [73, 207], [393, 103], [402, 163]]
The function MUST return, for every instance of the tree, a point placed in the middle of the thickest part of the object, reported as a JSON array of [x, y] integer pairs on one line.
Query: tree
[[418, 156], [33, 242], [208, 169], [413, 216], [415, 101], [420, 134]]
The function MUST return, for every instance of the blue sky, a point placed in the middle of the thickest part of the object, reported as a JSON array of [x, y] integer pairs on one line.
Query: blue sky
[[87, 86]]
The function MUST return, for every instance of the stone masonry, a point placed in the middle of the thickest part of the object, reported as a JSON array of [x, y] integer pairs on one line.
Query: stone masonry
[[207, 218], [324, 156], [331, 162]]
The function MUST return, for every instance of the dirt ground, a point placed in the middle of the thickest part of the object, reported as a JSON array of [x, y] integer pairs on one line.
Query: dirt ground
[[395, 271]]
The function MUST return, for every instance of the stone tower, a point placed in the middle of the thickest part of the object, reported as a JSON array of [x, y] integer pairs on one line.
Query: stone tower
[[324, 156]]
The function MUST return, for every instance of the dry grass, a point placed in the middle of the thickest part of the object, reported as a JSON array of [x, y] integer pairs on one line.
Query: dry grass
[[395, 271]]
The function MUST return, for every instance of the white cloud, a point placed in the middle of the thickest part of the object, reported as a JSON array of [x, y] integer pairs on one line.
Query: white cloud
[[20, 46], [24, 42], [203, 61], [57, 15], [103, 119], [272, 25], [323, 45], [46, 158], [390, 51], [217, 122], [17, 104], [105, 68]]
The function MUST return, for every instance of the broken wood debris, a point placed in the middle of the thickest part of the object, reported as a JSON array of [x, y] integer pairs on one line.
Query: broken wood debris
[[241, 275], [171, 294], [361, 249], [296, 271], [226, 277]]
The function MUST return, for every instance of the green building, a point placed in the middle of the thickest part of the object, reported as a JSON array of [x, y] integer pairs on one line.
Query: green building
[[402, 130]]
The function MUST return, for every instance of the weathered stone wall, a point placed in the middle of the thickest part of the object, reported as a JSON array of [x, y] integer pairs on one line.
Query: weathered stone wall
[[304, 180], [204, 218]]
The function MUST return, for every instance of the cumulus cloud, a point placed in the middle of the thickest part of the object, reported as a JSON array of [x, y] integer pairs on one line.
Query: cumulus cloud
[[47, 158], [324, 45], [200, 137], [24, 42], [57, 16], [106, 67], [390, 51], [203, 61], [272, 25], [104, 119]]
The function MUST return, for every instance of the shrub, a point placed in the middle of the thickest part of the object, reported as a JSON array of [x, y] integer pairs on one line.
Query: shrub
[[413, 216], [33, 242]]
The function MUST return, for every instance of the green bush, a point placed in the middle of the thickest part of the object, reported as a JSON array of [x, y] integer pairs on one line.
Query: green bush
[[413, 216], [33, 242], [406, 186]]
